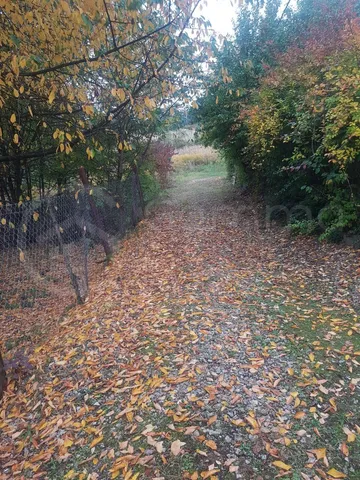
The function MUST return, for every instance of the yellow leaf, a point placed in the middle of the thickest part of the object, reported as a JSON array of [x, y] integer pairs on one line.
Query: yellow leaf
[[96, 441], [252, 422], [68, 443], [51, 97], [351, 437], [30, 111], [117, 205], [11, 225], [61, 230], [312, 357], [16, 138], [24, 228], [16, 93], [22, 256], [13, 118], [336, 474], [282, 465], [3, 221], [319, 453], [35, 216]]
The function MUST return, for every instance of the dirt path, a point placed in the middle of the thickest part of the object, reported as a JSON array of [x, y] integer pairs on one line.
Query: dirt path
[[212, 348]]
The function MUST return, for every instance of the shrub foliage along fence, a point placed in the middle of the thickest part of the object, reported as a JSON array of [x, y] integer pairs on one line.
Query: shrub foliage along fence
[[49, 247]]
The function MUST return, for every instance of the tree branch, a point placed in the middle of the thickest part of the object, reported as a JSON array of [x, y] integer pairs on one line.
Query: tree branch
[[95, 59], [110, 24], [114, 114]]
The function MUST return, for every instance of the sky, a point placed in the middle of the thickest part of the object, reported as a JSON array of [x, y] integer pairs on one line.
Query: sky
[[220, 13]]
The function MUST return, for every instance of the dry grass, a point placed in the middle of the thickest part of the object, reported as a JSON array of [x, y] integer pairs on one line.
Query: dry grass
[[193, 156]]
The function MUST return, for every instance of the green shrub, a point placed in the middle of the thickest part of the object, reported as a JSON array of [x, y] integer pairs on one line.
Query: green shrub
[[303, 227]]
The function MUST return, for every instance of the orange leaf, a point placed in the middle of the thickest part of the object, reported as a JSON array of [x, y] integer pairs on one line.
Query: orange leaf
[[344, 449], [299, 415], [209, 473], [96, 441], [212, 420], [211, 444]]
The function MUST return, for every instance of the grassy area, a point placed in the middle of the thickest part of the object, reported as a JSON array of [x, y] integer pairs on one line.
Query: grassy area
[[217, 169], [324, 343]]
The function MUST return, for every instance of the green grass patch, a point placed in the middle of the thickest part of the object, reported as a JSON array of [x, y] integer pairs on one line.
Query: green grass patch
[[217, 169]]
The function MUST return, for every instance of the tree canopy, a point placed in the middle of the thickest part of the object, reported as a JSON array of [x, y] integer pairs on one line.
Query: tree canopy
[[282, 105], [80, 77]]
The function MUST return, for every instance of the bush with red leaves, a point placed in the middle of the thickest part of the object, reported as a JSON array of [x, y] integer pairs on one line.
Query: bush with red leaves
[[160, 155]]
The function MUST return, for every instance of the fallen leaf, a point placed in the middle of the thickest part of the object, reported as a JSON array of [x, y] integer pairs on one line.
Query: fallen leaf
[[336, 474], [282, 465], [176, 447]]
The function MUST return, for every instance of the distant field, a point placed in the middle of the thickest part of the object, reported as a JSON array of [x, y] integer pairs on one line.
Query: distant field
[[193, 156]]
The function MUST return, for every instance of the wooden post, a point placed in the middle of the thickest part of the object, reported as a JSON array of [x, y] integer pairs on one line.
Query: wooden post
[[95, 214], [3, 378]]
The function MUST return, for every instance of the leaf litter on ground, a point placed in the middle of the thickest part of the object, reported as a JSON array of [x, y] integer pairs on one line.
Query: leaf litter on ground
[[211, 348]]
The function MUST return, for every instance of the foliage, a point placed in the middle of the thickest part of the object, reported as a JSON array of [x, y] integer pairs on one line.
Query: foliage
[[81, 81], [156, 169], [287, 110]]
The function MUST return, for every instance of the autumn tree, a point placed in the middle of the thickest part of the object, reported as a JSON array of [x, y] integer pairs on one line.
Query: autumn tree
[[74, 74], [88, 82], [282, 107]]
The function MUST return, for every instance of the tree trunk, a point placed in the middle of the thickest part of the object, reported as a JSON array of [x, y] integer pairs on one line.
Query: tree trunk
[[3, 379], [96, 216]]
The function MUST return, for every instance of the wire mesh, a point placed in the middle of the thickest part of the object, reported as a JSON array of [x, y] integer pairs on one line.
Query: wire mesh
[[50, 248]]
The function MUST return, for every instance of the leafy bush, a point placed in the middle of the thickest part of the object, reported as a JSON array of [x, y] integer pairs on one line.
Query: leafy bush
[[283, 108], [303, 227]]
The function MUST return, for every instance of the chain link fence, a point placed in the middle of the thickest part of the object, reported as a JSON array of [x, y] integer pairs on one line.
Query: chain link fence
[[51, 248]]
